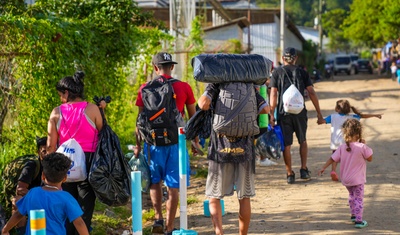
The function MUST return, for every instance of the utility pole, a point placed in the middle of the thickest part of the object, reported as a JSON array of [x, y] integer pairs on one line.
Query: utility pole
[[320, 28], [282, 29], [248, 29]]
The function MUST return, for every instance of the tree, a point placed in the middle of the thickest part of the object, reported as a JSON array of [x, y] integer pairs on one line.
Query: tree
[[365, 23], [331, 22], [373, 23], [304, 12], [52, 39], [338, 4], [194, 45]]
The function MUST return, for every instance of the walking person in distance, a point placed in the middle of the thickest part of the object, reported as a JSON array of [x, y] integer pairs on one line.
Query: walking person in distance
[[282, 78]]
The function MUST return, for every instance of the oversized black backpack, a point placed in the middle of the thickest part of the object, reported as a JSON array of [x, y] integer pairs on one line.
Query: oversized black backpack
[[235, 113], [11, 174], [3, 218], [159, 121]]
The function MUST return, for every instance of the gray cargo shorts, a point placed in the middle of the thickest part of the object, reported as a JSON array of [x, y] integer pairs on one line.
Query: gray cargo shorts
[[223, 177]]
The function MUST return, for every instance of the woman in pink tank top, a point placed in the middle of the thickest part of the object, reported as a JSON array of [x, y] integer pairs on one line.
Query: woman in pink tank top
[[81, 120]]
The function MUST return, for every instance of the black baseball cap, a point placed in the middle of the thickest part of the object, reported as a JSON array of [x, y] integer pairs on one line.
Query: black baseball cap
[[163, 58], [40, 141], [290, 52]]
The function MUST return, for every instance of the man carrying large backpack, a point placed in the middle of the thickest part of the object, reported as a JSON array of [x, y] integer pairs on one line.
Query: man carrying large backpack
[[231, 156], [161, 105], [282, 79], [30, 177]]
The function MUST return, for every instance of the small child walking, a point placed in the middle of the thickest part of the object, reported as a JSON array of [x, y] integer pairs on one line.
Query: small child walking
[[393, 69], [398, 76], [58, 205], [342, 113], [352, 157]]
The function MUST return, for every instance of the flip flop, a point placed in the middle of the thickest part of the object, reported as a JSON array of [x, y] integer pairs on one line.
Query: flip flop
[[334, 176]]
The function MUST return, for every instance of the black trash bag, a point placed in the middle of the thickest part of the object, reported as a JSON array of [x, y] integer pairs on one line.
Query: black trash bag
[[140, 164], [200, 124], [268, 145], [221, 68], [109, 173]]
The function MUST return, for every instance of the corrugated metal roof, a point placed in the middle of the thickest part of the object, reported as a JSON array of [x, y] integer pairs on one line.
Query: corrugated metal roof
[[264, 38], [152, 3], [239, 4]]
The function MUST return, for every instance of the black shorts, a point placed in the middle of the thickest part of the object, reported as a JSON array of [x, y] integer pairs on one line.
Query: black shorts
[[294, 123]]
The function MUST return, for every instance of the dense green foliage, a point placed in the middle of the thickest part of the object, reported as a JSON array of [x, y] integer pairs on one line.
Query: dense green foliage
[[349, 24], [40, 44], [305, 11], [194, 45], [373, 23], [332, 22]]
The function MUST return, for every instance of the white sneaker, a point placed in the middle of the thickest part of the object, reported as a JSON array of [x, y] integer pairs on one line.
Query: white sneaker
[[267, 162]]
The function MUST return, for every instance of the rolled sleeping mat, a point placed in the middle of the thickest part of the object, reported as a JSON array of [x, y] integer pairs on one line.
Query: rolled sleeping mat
[[223, 68]]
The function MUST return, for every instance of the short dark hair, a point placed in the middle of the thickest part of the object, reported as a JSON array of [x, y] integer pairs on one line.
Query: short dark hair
[[55, 167], [290, 54], [41, 141], [73, 84], [164, 66]]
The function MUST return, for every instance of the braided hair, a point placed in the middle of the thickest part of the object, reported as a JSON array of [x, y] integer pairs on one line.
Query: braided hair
[[352, 130], [73, 84]]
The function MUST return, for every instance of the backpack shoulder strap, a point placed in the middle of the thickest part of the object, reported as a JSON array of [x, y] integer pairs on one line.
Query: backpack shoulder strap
[[294, 73], [173, 80], [284, 70]]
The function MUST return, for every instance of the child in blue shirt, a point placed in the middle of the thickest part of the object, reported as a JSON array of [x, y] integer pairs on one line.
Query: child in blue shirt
[[58, 205], [398, 74], [342, 113]]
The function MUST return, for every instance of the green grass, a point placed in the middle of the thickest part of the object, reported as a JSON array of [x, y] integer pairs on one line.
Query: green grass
[[102, 222], [147, 231], [201, 173], [192, 199], [148, 215], [120, 218]]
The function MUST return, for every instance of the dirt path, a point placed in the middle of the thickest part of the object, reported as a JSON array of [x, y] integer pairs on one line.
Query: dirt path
[[320, 206]]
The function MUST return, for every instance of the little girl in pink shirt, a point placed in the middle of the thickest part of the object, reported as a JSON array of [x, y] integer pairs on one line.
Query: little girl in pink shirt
[[342, 113], [352, 156]]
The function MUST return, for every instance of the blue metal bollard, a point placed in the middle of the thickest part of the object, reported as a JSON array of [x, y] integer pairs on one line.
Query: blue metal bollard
[[37, 220], [182, 178], [206, 208], [184, 232], [136, 185]]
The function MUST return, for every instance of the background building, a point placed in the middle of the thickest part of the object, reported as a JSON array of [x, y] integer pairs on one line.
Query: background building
[[257, 30]]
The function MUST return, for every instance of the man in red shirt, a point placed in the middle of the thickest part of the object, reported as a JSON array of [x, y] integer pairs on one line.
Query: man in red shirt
[[164, 160]]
